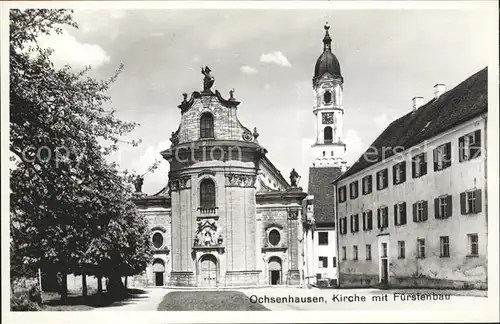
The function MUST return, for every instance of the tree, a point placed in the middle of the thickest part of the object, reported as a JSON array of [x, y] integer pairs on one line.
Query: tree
[[65, 195]]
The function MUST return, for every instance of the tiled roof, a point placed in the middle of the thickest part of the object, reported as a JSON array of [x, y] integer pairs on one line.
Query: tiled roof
[[320, 186], [467, 100]]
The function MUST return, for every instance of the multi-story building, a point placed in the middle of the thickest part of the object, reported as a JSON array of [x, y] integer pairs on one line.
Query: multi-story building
[[328, 163], [412, 210], [228, 217]]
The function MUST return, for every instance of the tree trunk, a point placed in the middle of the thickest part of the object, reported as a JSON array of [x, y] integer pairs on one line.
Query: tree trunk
[[64, 288], [99, 284], [116, 289], [84, 285], [126, 281]]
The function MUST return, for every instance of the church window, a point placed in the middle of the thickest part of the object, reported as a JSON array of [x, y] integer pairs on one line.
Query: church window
[[207, 194], [327, 97], [324, 153], [274, 237], [207, 126], [331, 153], [328, 134], [157, 240]]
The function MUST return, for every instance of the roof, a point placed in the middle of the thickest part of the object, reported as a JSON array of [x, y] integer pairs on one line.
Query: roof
[[320, 186], [327, 62], [466, 101]]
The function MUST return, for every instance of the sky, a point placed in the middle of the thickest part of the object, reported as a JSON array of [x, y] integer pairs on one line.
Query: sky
[[387, 57]]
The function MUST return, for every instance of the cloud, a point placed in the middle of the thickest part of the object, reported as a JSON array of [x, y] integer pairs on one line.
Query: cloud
[[382, 121], [68, 50], [275, 58], [355, 146], [248, 69]]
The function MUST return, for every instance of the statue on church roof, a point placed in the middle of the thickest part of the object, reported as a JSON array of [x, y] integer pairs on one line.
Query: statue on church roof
[[138, 182], [294, 178], [208, 80], [231, 94], [255, 134]]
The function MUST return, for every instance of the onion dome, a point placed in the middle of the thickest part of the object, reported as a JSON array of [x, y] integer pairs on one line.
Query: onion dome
[[327, 61]]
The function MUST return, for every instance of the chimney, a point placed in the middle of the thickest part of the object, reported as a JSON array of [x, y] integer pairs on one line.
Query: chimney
[[417, 102], [439, 89]]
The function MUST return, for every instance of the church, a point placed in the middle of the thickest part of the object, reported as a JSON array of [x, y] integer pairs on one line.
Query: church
[[228, 217]]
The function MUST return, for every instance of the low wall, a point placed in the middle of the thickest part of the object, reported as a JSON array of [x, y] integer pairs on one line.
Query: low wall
[[185, 278]]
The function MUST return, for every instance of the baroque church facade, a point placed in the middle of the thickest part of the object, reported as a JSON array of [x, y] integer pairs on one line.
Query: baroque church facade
[[227, 217]]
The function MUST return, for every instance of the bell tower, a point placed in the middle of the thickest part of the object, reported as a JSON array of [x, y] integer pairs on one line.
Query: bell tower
[[328, 83]]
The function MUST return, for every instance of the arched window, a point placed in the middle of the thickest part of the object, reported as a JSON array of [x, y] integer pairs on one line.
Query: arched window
[[207, 194], [324, 153], [328, 134], [207, 126], [327, 97], [332, 153]]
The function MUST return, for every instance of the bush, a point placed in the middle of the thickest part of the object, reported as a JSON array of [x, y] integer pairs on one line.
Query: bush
[[25, 295]]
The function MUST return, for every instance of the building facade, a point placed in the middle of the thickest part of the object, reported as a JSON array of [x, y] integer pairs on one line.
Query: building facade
[[228, 217], [327, 164], [412, 211]]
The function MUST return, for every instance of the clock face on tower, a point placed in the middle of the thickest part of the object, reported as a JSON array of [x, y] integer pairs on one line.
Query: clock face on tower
[[327, 118]]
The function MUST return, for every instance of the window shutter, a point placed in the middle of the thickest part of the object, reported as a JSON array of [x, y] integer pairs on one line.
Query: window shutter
[[426, 208], [379, 223], [370, 186], [435, 157], [394, 174], [403, 171], [447, 154], [415, 213], [370, 219], [461, 149], [476, 152], [352, 222], [449, 205], [386, 178], [436, 208], [478, 206], [386, 218], [424, 164], [463, 210], [403, 216], [396, 214], [413, 169]]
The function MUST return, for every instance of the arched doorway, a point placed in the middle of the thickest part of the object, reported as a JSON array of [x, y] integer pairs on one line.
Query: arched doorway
[[274, 271], [158, 272], [208, 271]]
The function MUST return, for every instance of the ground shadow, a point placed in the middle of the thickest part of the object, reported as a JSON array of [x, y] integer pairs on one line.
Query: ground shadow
[[208, 301], [97, 300]]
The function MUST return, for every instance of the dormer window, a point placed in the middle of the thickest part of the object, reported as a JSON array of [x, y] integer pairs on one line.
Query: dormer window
[[327, 97], [207, 126]]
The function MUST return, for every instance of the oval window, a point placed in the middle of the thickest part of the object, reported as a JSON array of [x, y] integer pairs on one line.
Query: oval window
[[157, 240], [274, 237]]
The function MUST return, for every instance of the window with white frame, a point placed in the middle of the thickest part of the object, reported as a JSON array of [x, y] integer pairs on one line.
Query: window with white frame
[[473, 244], [420, 211], [382, 217], [442, 157], [419, 165], [420, 248], [444, 246], [368, 252], [469, 146], [367, 184], [470, 202], [355, 252], [443, 206], [367, 220], [344, 253], [399, 173], [401, 250], [400, 213], [383, 253]]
